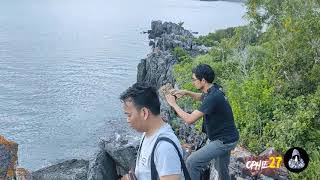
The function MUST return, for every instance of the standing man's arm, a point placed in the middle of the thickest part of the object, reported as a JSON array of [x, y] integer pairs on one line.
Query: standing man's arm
[[180, 93], [188, 118]]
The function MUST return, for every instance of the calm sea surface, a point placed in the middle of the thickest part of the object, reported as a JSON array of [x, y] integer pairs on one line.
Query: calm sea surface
[[63, 64]]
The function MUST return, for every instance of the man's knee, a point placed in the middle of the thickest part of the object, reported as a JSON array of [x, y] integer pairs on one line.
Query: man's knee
[[191, 161]]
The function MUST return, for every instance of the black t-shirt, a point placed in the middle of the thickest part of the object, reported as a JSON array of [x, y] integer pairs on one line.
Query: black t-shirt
[[218, 116]]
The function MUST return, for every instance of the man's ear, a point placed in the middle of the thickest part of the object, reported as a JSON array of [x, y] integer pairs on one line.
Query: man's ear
[[145, 113], [203, 81]]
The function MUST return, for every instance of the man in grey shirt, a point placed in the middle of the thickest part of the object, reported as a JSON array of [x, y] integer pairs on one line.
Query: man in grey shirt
[[142, 106]]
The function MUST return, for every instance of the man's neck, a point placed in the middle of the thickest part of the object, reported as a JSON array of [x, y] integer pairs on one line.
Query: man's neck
[[154, 125], [207, 87]]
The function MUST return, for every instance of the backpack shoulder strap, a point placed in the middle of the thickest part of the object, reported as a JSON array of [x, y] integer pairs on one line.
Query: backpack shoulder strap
[[140, 146], [154, 172]]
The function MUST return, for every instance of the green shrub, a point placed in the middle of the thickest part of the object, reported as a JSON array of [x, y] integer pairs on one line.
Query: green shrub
[[270, 72]]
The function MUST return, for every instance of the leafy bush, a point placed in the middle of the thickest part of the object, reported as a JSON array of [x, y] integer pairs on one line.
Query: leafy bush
[[181, 54], [270, 72]]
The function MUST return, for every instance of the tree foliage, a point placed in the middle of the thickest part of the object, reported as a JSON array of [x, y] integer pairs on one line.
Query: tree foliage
[[270, 70]]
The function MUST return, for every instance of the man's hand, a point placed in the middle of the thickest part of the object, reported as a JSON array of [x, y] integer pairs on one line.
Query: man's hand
[[171, 100], [178, 93]]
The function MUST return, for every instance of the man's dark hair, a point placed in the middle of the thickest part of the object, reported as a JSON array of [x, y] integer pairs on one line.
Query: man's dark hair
[[142, 95], [204, 71]]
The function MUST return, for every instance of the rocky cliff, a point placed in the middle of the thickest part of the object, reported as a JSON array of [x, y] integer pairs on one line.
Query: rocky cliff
[[156, 68]]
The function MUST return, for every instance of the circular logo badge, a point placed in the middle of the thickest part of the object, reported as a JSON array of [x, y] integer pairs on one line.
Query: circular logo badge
[[296, 159]]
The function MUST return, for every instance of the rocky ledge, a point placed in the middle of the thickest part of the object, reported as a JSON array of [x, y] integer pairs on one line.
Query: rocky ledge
[[68, 170]]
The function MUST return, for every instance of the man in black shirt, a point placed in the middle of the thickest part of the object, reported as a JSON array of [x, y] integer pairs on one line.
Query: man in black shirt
[[218, 123]]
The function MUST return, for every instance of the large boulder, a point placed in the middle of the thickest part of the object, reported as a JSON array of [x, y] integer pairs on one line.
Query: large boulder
[[237, 167], [123, 151], [67, 170], [102, 167], [116, 157]]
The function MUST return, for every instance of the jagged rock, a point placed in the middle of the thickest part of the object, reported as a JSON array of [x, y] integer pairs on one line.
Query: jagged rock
[[200, 50], [158, 28], [102, 167], [8, 157], [237, 167], [123, 151], [156, 69], [68, 170], [170, 41], [5, 157], [166, 36], [269, 151]]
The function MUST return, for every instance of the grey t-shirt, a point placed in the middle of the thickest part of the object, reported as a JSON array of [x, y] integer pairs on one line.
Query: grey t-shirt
[[166, 157]]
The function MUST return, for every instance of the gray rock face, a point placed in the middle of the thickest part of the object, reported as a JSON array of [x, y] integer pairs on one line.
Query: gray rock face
[[115, 157], [123, 151], [5, 158], [68, 170], [170, 41], [166, 36], [102, 167], [158, 28], [165, 110], [156, 69], [237, 163]]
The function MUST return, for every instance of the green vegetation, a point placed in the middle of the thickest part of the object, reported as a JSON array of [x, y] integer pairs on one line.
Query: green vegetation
[[212, 38], [181, 54], [270, 71]]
